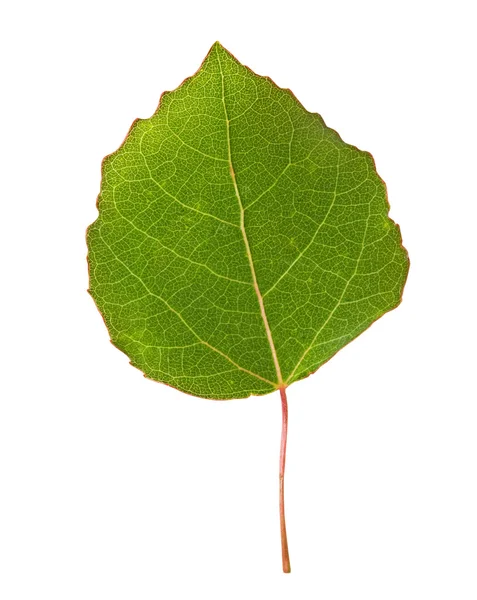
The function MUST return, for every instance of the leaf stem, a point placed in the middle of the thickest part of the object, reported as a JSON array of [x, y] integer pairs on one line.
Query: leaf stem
[[283, 452]]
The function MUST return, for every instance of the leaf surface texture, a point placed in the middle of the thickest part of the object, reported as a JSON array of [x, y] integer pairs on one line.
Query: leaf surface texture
[[240, 242]]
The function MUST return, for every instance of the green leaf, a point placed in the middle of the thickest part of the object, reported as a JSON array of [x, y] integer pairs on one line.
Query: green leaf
[[240, 242]]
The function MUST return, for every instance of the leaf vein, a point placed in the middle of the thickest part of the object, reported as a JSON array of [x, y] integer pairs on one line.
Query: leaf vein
[[186, 258], [245, 238], [181, 318], [338, 303]]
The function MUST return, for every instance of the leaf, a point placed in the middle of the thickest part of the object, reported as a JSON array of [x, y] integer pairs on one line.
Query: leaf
[[240, 242]]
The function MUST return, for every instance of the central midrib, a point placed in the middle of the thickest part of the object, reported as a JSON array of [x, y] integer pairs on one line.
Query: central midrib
[[245, 239]]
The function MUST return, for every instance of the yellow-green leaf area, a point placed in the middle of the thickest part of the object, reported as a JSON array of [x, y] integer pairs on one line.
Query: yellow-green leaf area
[[240, 242]]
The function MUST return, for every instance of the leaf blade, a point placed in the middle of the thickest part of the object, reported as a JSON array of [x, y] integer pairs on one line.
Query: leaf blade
[[254, 234]]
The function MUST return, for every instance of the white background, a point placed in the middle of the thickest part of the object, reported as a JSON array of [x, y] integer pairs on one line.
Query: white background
[[115, 487]]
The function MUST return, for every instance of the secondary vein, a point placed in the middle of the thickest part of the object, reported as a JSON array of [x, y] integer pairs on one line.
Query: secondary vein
[[186, 258], [173, 310], [312, 239], [338, 302]]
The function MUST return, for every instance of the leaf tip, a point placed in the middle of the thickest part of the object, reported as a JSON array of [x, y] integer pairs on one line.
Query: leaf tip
[[218, 48]]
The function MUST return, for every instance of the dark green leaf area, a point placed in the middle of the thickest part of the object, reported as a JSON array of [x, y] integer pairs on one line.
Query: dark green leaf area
[[240, 242]]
